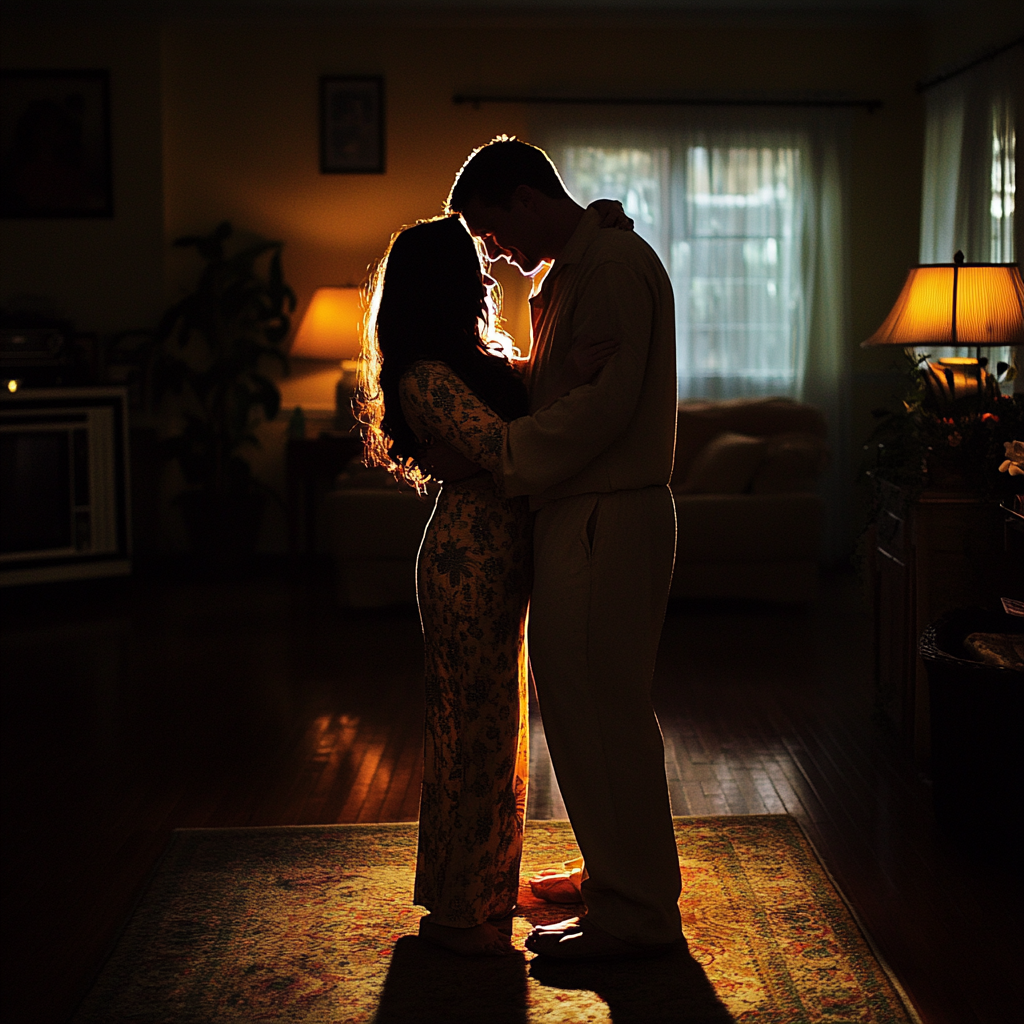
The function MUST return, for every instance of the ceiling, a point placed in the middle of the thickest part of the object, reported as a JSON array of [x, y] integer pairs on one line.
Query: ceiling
[[93, 7]]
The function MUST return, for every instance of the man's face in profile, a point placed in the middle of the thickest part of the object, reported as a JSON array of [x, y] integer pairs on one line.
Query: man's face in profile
[[510, 234]]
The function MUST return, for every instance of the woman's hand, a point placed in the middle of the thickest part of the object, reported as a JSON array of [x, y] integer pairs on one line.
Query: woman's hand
[[612, 214], [587, 356]]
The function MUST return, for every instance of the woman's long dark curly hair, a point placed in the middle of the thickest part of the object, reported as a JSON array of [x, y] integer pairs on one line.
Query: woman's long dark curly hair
[[429, 300]]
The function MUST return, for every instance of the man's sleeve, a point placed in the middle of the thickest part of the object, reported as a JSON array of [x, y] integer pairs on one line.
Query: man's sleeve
[[556, 443]]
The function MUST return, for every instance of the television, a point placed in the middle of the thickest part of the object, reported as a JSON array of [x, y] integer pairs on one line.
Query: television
[[64, 485]]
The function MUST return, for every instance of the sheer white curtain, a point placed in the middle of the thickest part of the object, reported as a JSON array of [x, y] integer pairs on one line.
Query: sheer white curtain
[[747, 214], [969, 181]]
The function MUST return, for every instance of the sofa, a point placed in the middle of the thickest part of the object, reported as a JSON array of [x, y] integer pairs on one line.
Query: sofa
[[374, 528], [749, 520]]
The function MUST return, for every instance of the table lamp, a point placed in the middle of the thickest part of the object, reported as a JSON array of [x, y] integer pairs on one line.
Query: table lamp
[[973, 304], [330, 330]]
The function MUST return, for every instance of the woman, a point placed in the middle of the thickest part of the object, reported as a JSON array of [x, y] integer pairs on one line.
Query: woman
[[436, 370]]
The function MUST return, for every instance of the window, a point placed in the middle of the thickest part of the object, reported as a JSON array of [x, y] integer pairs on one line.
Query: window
[[969, 189], [726, 222], [746, 209], [1004, 181]]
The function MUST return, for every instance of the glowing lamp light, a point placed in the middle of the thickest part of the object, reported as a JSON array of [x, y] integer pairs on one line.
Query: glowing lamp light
[[977, 304], [330, 331], [330, 327], [958, 303]]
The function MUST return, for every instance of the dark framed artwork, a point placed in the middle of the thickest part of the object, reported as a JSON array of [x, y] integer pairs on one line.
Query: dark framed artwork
[[351, 125], [55, 144]]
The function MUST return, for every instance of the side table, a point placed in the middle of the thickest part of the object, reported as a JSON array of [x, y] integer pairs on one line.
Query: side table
[[938, 551], [311, 464]]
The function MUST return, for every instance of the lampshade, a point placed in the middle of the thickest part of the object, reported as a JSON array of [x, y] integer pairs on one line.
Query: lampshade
[[956, 304], [330, 328]]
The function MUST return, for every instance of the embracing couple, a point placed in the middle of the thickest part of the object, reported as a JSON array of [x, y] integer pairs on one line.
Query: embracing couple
[[555, 499]]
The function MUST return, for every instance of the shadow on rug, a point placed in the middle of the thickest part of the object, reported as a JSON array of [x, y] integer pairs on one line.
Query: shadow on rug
[[313, 924]]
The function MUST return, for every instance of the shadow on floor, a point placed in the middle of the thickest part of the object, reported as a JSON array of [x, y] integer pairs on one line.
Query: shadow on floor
[[431, 986], [672, 989]]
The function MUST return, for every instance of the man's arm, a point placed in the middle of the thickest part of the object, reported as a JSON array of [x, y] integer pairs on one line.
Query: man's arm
[[558, 441]]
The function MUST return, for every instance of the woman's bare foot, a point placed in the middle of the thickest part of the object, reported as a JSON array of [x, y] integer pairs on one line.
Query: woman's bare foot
[[558, 886], [480, 940]]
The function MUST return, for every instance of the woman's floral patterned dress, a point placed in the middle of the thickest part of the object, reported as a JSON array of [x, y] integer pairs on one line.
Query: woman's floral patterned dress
[[473, 584]]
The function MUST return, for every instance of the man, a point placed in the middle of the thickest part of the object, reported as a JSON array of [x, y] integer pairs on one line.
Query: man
[[596, 465]]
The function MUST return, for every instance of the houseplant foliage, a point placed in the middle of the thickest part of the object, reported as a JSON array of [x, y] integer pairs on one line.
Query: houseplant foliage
[[212, 347], [953, 446]]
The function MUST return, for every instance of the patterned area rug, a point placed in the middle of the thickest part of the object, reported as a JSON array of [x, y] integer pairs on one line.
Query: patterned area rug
[[314, 924]]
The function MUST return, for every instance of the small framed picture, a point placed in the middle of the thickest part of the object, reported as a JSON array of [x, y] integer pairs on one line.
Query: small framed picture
[[351, 125], [55, 144]]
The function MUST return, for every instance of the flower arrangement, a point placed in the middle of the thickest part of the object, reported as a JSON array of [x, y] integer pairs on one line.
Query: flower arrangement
[[1014, 461], [953, 445]]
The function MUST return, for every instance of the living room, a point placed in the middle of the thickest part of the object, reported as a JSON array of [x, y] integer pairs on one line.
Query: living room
[[215, 115]]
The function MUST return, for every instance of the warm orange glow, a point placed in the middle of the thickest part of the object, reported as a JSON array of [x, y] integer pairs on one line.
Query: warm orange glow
[[330, 328], [989, 307]]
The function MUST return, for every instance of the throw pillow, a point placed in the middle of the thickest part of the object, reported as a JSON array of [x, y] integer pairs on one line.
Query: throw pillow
[[726, 465]]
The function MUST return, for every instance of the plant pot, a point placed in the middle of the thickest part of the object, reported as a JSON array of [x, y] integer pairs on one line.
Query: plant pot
[[222, 528]]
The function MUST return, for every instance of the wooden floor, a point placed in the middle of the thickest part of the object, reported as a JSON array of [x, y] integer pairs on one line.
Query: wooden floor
[[131, 708]]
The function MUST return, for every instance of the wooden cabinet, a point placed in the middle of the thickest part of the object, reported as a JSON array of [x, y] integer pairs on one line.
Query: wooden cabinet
[[939, 551]]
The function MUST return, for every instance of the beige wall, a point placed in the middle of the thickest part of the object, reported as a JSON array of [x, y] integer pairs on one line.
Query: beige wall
[[240, 119], [217, 118], [103, 273]]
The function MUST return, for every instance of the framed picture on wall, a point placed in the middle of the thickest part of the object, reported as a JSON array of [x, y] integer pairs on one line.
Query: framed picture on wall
[[55, 144], [351, 125]]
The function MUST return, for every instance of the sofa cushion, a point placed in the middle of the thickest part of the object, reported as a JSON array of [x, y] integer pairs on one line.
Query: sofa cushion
[[700, 422], [792, 462], [726, 465]]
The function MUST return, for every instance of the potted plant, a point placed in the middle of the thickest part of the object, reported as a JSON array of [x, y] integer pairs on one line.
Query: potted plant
[[949, 442], [211, 349]]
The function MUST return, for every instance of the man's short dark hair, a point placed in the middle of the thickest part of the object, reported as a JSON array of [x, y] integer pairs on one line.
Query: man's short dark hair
[[493, 172]]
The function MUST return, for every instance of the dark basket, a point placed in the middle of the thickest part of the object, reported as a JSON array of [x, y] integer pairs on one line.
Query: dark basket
[[977, 721]]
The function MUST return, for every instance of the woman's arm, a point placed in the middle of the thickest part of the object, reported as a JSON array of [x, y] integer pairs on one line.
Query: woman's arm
[[444, 460], [438, 404]]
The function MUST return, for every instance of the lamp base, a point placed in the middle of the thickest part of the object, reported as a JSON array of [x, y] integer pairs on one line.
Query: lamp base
[[344, 391], [948, 381]]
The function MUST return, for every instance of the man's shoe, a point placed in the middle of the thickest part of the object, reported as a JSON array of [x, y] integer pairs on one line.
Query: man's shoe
[[578, 939]]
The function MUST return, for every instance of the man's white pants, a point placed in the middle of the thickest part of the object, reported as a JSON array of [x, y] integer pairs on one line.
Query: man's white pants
[[603, 566]]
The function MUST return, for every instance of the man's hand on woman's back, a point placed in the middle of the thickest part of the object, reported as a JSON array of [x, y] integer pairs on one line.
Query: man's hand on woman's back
[[445, 464]]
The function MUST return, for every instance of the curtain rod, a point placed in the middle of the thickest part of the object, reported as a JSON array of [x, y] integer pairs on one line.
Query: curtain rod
[[869, 105], [928, 83]]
